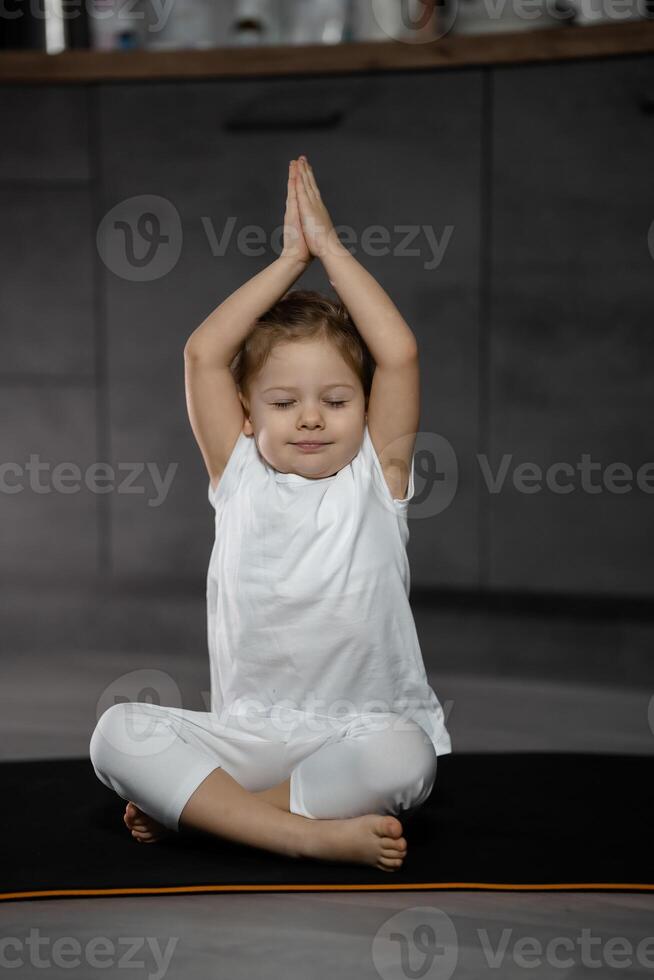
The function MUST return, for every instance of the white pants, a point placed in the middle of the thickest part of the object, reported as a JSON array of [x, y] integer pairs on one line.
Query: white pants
[[157, 757]]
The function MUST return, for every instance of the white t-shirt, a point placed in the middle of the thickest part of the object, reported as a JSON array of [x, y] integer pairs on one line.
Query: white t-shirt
[[308, 612]]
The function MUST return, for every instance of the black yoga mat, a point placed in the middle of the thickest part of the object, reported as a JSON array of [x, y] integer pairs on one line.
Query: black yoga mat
[[541, 821]]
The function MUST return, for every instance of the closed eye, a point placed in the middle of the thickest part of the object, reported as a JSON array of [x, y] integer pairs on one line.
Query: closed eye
[[286, 404]]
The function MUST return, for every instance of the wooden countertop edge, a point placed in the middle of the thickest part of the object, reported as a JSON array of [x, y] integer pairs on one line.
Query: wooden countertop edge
[[453, 51]]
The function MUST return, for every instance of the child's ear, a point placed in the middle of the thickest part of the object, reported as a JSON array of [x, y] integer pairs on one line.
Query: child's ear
[[247, 424]]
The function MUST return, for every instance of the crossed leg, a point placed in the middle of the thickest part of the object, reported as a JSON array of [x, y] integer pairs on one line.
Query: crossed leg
[[279, 795], [145, 829], [352, 786]]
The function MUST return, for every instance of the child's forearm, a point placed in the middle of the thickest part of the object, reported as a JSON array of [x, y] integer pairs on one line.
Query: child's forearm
[[220, 336], [386, 333]]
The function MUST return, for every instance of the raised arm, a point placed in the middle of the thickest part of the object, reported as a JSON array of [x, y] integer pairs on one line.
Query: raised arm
[[394, 404], [214, 408]]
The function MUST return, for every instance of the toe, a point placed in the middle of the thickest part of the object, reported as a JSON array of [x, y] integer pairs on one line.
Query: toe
[[390, 864], [392, 827]]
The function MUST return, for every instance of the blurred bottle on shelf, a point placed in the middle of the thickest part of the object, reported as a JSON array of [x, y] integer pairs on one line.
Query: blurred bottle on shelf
[[115, 25], [318, 21], [188, 24], [176, 24], [256, 22]]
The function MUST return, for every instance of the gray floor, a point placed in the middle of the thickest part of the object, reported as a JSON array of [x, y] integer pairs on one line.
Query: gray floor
[[50, 703], [285, 937]]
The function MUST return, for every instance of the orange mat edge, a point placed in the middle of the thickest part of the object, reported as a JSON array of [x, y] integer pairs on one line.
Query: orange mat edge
[[403, 886]]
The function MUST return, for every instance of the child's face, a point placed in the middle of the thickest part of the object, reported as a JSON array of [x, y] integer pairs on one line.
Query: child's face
[[306, 392]]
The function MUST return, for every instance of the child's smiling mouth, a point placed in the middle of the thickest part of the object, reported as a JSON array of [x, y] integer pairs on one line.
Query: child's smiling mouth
[[310, 446]]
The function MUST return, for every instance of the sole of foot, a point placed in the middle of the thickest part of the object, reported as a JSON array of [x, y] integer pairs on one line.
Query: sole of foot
[[144, 828]]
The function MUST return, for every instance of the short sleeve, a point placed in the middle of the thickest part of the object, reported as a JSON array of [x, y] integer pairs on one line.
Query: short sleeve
[[399, 504], [232, 473], [404, 501]]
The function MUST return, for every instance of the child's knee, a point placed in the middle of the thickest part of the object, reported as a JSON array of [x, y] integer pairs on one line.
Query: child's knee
[[105, 736], [121, 732], [399, 761], [419, 762]]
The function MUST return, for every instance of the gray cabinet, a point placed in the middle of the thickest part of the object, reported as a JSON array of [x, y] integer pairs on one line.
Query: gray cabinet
[[49, 520], [571, 368]]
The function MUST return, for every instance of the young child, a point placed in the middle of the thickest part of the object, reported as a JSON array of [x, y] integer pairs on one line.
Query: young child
[[323, 727]]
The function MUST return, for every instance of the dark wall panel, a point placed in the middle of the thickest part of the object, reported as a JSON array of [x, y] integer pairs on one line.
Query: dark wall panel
[[49, 528], [47, 296], [45, 132], [572, 360]]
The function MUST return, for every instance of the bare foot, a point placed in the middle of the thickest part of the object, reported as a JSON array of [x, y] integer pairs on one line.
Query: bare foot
[[371, 839], [145, 829]]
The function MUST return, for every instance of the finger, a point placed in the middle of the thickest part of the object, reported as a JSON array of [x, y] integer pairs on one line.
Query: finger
[[301, 188], [298, 180], [292, 213], [302, 166], [312, 179], [305, 179]]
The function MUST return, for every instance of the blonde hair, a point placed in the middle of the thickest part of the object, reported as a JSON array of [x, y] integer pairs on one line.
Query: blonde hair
[[299, 315]]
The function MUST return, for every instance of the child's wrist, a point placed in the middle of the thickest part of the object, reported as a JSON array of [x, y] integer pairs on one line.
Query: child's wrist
[[334, 250], [294, 260]]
